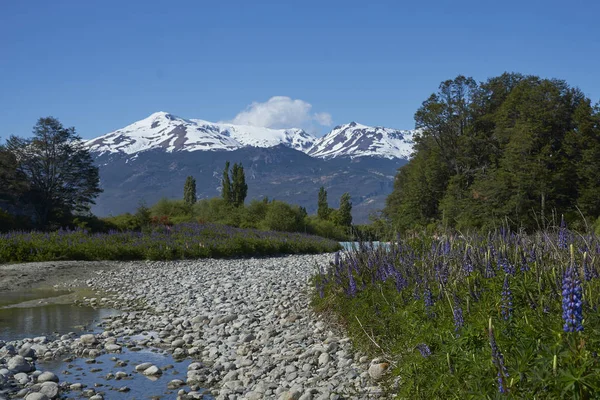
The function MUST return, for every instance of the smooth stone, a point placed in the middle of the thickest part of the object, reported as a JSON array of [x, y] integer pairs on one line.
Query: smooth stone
[[36, 396], [143, 367], [19, 364], [47, 376], [376, 371], [153, 370], [50, 389]]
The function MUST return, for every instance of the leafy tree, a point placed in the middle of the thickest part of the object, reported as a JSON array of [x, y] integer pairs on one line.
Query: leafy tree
[[12, 181], [226, 192], [322, 206], [238, 185], [344, 214], [189, 191], [515, 148], [59, 170]]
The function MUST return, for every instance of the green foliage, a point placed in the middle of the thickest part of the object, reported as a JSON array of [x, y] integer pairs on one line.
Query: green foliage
[[226, 191], [514, 148], [326, 229], [59, 171], [184, 241], [406, 296], [281, 216], [239, 188], [322, 206], [125, 222], [344, 214], [189, 191], [143, 216]]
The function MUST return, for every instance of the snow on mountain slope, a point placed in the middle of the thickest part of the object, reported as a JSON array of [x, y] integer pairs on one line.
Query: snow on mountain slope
[[165, 131], [356, 140]]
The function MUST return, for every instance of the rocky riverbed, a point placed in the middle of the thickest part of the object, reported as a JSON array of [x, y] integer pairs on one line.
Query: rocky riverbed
[[243, 328]]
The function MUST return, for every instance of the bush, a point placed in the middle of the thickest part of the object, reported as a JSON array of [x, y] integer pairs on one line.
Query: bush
[[283, 217], [326, 229]]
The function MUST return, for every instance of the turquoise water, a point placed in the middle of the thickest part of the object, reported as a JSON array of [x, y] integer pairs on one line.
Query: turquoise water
[[354, 245]]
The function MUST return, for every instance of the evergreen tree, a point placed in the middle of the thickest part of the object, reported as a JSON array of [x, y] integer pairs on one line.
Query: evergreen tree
[[58, 169], [344, 214], [226, 192], [189, 191], [322, 206], [239, 186]]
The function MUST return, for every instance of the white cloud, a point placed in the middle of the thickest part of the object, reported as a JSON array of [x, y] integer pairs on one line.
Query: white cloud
[[282, 112]]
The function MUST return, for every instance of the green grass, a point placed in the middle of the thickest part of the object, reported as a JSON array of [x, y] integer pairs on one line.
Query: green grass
[[380, 296], [184, 241]]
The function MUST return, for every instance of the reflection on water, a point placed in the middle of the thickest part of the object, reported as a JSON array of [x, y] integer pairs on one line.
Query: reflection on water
[[21, 296], [139, 385], [17, 323]]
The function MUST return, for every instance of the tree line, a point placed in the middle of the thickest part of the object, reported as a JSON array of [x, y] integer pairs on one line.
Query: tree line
[[515, 149]]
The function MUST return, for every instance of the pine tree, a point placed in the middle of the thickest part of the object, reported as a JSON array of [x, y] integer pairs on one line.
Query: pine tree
[[345, 211], [226, 192], [189, 191], [322, 206]]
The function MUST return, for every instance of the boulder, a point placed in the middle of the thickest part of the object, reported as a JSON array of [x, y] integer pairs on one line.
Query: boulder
[[18, 364]]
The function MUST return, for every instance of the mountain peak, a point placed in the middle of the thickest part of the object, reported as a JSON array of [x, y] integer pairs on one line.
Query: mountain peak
[[356, 140]]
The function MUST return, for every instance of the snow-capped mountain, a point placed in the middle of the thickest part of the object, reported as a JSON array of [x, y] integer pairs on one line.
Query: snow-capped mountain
[[356, 140], [165, 131]]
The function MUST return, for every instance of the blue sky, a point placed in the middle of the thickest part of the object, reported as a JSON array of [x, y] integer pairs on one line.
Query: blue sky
[[100, 65]]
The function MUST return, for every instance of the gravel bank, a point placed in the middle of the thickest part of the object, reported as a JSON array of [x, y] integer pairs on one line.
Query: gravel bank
[[245, 325]]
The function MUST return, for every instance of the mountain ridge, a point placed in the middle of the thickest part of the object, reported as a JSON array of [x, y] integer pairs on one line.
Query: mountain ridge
[[170, 133]]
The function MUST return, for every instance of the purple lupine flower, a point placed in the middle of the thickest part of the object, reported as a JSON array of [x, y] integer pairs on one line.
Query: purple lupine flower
[[505, 264], [467, 263], [524, 263], [401, 283], [507, 300], [498, 361], [428, 300], [424, 350], [489, 270], [336, 260], [351, 284], [447, 247], [563, 234], [572, 304], [458, 316]]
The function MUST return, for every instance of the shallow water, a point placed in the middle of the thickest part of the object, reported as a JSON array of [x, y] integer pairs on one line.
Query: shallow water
[[348, 246], [28, 314], [28, 322], [141, 387]]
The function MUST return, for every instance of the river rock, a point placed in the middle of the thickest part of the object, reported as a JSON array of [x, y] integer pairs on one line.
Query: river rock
[[19, 364], [152, 371], [111, 347], [88, 339], [175, 384], [143, 367], [22, 378], [36, 396], [50, 389], [47, 376], [376, 371]]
